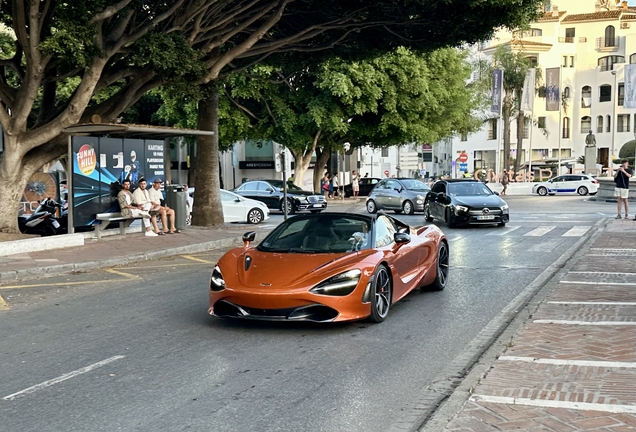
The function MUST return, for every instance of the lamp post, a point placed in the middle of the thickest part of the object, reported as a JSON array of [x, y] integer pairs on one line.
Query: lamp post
[[610, 163], [346, 146]]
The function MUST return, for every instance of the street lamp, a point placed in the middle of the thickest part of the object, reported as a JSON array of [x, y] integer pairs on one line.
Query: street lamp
[[610, 164]]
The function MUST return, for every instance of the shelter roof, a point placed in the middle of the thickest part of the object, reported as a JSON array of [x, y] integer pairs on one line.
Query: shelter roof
[[131, 130]]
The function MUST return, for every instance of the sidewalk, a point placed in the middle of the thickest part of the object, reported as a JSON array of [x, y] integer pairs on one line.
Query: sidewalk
[[572, 366]]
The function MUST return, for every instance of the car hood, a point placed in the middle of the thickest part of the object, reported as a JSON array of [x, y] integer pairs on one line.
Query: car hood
[[479, 201], [284, 271], [299, 193]]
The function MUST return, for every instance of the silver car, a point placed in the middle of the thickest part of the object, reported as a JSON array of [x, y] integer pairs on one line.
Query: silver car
[[402, 195]]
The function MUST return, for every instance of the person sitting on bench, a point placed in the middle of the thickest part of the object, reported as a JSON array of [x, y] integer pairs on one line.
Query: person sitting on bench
[[165, 213], [128, 207]]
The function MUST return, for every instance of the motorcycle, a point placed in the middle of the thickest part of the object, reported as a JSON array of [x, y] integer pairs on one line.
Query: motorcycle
[[43, 221]]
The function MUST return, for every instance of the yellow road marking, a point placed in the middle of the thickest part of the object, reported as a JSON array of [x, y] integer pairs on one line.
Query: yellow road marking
[[55, 284], [120, 273], [161, 266], [3, 304], [190, 257]]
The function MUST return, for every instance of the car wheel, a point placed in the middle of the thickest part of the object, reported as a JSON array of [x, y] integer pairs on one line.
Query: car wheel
[[290, 206], [582, 191], [255, 216], [408, 208], [442, 268], [542, 191], [427, 213], [371, 207], [449, 219], [382, 292]]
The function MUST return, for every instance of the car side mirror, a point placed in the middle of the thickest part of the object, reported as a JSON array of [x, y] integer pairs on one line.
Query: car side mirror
[[495, 192], [270, 190], [399, 190], [248, 237], [401, 237]]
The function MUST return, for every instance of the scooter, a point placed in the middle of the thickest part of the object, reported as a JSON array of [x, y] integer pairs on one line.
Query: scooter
[[43, 221]]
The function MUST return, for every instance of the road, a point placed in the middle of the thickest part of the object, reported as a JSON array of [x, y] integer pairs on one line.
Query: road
[[132, 348]]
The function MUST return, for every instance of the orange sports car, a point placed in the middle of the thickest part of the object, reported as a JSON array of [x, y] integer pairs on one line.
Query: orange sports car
[[328, 267]]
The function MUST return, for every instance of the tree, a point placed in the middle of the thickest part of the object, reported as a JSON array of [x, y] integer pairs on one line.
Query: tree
[[111, 52]]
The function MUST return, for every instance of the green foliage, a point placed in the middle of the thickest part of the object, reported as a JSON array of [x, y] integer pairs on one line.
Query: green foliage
[[169, 54]]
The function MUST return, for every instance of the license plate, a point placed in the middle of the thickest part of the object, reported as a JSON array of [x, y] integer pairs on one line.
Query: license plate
[[56, 224], [489, 217], [317, 205]]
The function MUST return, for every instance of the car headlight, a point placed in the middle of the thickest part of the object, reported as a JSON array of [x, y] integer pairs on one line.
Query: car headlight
[[459, 209], [217, 283], [339, 285], [504, 209]]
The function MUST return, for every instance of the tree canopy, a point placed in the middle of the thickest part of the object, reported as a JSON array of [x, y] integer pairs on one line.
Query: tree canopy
[[74, 59]]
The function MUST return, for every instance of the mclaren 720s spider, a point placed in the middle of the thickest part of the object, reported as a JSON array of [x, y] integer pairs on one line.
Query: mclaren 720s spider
[[328, 267]]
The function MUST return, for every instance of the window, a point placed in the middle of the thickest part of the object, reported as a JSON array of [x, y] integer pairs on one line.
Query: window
[[565, 61], [622, 123], [586, 124], [607, 63], [566, 127], [526, 127], [610, 36], [385, 152], [586, 97], [534, 61], [464, 137], [605, 93], [492, 129], [567, 93], [609, 124], [538, 154], [621, 94], [565, 153], [632, 58], [528, 33], [541, 122], [599, 124], [570, 34], [571, 61]]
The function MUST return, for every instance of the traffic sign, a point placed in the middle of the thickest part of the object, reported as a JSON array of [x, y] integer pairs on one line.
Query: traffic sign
[[386, 173], [463, 157], [463, 167]]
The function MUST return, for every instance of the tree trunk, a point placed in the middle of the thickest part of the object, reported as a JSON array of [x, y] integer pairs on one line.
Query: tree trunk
[[322, 157], [520, 129], [208, 209]]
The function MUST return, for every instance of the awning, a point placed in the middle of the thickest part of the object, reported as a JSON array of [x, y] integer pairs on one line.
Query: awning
[[132, 130]]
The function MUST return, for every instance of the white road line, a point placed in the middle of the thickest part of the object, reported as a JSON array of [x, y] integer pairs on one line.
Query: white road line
[[504, 231], [539, 231], [594, 303], [563, 362], [598, 283], [613, 249], [577, 231], [61, 378], [612, 408], [592, 323], [601, 273]]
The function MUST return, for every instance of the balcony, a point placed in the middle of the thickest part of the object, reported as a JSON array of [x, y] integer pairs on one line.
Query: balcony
[[607, 44], [566, 40]]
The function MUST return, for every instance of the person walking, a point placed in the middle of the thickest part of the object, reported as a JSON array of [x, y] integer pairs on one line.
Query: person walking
[[505, 179], [355, 184], [621, 191]]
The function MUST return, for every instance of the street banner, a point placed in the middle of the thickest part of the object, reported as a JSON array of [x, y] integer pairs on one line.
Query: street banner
[[552, 91], [497, 85], [630, 86], [527, 95]]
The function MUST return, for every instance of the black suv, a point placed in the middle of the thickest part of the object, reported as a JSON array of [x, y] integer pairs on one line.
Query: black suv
[[271, 193]]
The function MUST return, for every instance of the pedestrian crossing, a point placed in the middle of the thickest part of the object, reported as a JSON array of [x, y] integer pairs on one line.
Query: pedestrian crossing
[[522, 231]]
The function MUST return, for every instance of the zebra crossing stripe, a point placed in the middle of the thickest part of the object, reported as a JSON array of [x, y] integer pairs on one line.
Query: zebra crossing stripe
[[577, 231], [504, 231], [539, 231]]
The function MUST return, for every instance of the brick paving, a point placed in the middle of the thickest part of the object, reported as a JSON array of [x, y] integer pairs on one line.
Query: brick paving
[[572, 367]]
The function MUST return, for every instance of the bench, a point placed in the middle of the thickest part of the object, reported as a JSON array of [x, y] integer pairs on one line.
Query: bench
[[106, 218]]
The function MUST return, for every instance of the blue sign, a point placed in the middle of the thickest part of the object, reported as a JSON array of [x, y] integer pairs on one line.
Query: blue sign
[[463, 167]]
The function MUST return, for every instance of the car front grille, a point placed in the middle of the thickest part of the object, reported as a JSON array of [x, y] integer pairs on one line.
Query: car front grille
[[480, 212], [315, 199]]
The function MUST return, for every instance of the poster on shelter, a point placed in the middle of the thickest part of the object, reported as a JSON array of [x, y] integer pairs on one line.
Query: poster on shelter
[[155, 161], [86, 180]]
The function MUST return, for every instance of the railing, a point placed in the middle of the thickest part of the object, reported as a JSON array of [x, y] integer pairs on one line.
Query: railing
[[607, 43], [566, 39]]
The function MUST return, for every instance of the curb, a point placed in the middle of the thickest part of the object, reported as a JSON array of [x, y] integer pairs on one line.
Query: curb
[[41, 243], [54, 270]]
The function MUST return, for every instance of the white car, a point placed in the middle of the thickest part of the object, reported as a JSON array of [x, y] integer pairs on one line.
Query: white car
[[581, 184], [239, 209]]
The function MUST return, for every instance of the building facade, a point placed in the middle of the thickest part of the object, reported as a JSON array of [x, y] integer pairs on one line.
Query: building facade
[[586, 44]]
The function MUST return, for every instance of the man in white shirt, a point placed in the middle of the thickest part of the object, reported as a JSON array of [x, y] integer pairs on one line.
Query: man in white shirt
[[165, 213], [141, 197]]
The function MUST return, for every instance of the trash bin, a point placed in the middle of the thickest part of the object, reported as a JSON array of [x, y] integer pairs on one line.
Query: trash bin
[[176, 199]]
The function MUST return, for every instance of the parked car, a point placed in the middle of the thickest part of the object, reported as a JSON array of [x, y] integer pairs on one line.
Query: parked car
[[464, 202], [328, 267], [398, 194], [365, 183], [581, 184], [271, 193], [237, 208]]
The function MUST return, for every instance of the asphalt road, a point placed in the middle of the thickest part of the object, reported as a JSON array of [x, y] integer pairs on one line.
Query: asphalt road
[[132, 348]]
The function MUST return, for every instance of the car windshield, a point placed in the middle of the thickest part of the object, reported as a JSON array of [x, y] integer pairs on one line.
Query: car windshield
[[415, 185], [468, 188], [324, 233], [279, 184]]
